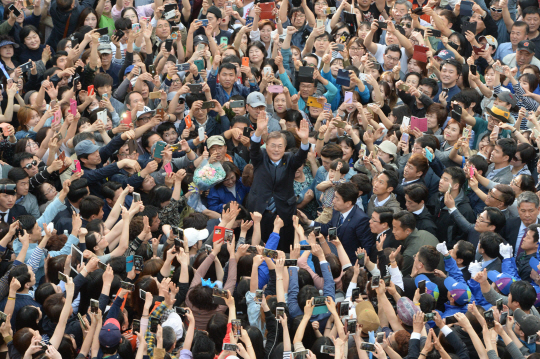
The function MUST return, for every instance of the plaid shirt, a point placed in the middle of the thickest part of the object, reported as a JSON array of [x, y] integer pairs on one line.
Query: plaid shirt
[[162, 312]]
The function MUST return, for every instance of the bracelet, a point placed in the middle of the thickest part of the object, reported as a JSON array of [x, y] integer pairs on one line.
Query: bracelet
[[11, 298], [320, 139], [423, 354], [187, 153], [249, 346], [279, 279]]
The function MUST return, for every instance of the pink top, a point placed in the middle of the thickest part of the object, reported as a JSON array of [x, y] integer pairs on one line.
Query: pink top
[[142, 11]]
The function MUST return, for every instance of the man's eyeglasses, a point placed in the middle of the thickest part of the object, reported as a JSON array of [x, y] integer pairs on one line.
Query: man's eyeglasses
[[31, 164], [480, 219], [408, 25], [490, 193], [495, 10]]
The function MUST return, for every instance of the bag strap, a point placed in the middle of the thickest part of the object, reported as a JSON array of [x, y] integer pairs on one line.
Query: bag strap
[[67, 26]]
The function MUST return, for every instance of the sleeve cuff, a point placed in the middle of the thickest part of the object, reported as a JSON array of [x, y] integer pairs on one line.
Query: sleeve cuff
[[450, 210], [415, 336], [446, 330], [255, 138], [304, 147]]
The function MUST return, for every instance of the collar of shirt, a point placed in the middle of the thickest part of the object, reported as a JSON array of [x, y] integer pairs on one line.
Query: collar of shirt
[[20, 200], [494, 172], [407, 182], [346, 213], [276, 163], [486, 263], [380, 234], [381, 203], [419, 211]]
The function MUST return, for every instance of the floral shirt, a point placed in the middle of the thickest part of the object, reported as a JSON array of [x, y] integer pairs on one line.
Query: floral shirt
[[171, 214], [300, 188]]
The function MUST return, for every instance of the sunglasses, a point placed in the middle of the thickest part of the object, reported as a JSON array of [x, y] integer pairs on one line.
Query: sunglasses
[[31, 164], [408, 25], [495, 10]]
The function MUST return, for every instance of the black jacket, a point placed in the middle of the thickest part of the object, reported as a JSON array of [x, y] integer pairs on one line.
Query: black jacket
[[15, 212], [447, 230], [274, 181], [399, 191], [424, 221]]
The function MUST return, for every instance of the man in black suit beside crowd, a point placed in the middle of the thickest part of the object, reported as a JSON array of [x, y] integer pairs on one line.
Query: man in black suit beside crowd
[[9, 211], [516, 228], [351, 223], [272, 191]]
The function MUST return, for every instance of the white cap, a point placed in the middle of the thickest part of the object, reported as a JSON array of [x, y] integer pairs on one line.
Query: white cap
[[194, 235]]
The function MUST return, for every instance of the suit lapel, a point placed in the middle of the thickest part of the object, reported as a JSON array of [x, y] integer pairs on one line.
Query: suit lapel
[[347, 220]]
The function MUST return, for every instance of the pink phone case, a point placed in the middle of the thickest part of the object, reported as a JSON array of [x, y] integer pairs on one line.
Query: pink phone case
[[77, 166], [471, 171], [168, 168], [57, 117], [275, 89], [419, 123], [73, 107]]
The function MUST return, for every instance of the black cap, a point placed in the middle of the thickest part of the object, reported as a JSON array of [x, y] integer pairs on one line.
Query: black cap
[[526, 45], [215, 10], [200, 39]]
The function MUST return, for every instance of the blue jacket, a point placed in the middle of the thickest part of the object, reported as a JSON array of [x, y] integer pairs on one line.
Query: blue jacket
[[364, 96], [219, 196], [450, 266], [219, 93], [264, 272], [329, 289]]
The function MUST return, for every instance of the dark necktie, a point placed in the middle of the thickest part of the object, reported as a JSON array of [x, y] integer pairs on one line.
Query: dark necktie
[[340, 221]]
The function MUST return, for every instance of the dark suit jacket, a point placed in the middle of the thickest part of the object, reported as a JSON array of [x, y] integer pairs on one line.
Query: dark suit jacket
[[399, 191], [354, 232], [424, 221], [15, 212], [510, 231], [274, 181], [410, 289]]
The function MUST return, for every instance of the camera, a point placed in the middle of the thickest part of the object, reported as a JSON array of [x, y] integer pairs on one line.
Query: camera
[[8, 188]]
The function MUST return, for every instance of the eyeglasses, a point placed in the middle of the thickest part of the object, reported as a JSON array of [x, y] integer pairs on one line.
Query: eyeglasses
[[178, 81], [31, 164], [49, 191], [495, 10], [514, 183], [408, 25], [490, 193], [480, 219], [31, 144], [392, 58], [356, 49]]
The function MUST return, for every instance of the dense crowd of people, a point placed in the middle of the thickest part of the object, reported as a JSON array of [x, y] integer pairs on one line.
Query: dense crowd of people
[[252, 179]]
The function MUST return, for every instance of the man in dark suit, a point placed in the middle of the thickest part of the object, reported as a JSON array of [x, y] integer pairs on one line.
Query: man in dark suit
[[77, 191], [351, 222], [488, 248], [413, 173], [9, 211], [416, 195], [272, 191], [516, 228]]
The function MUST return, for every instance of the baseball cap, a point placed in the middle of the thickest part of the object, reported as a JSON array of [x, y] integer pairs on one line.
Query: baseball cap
[[490, 40], [7, 42], [146, 110], [406, 310], [367, 317], [431, 288], [256, 99], [86, 147], [529, 323], [508, 97], [215, 140], [527, 46], [105, 48], [444, 55], [501, 280], [200, 39], [215, 10], [499, 113], [194, 235], [128, 69], [109, 335], [460, 292], [173, 321]]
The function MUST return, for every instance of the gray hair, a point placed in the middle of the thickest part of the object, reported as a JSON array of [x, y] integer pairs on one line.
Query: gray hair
[[169, 338], [528, 197], [407, 3]]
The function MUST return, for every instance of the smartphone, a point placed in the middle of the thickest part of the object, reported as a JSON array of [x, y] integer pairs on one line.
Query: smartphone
[[327, 349], [220, 293], [473, 69], [502, 319], [77, 166], [499, 304], [237, 104], [355, 294], [152, 70], [90, 90], [154, 322], [136, 27], [368, 347], [380, 337], [422, 286], [62, 277], [208, 104], [103, 31], [229, 347], [249, 20], [351, 326], [228, 236], [25, 67], [280, 311], [360, 257], [14, 10], [168, 44], [343, 309], [246, 132], [531, 339], [429, 317], [208, 249], [375, 281], [490, 319], [305, 247], [127, 285], [142, 294], [270, 253], [138, 263], [387, 279], [403, 87], [405, 137], [316, 231], [291, 263], [136, 197], [496, 130], [332, 233], [119, 34], [204, 22], [94, 306], [258, 296], [136, 325], [245, 61], [348, 97], [320, 300], [382, 24], [160, 146], [435, 33], [82, 321], [154, 95]]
